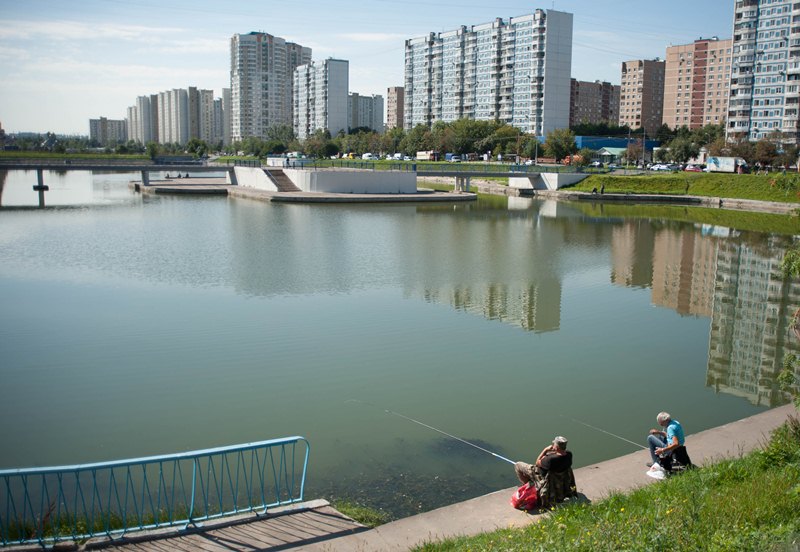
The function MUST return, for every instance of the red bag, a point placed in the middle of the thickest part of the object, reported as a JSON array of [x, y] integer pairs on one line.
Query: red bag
[[525, 498]]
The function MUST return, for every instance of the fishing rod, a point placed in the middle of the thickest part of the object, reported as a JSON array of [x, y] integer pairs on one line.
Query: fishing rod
[[604, 431], [423, 424]]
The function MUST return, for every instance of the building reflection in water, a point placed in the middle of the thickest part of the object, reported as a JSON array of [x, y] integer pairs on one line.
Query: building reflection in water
[[735, 280]]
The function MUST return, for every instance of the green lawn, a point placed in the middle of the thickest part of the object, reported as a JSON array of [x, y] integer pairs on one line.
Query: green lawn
[[750, 503], [734, 186]]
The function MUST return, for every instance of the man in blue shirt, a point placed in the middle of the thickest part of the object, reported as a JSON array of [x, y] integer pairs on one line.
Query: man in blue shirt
[[663, 443]]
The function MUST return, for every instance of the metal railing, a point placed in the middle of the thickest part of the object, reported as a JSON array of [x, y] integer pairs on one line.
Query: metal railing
[[48, 505]]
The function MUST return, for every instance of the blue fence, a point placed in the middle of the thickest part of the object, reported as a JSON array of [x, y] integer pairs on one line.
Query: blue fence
[[48, 505]]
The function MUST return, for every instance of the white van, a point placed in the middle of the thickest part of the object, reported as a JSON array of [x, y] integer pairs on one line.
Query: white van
[[367, 156]]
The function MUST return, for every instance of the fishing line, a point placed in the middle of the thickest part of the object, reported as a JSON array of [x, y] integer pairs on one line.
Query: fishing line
[[604, 431], [423, 424]]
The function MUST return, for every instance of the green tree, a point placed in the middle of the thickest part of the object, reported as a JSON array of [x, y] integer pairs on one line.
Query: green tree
[[586, 155], [560, 143], [416, 139], [197, 147], [683, 149], [152, 150], [766, 152]]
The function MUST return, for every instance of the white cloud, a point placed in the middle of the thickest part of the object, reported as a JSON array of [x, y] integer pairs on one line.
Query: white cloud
[[13, 54], [76, 30]]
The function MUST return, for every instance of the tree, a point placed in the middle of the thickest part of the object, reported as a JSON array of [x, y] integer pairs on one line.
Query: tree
[[634, 152], [742, 148], [586, 155], [416, 139], [683, 149], [197, 147], [665, 134], [766, 152], [152, 150], [560, 143], [662, 155]]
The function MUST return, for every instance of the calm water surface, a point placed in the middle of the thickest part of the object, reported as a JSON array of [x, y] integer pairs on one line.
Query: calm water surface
[[133, 326]]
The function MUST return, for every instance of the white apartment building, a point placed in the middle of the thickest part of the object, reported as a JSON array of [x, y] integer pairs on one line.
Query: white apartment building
[[320, 97], [177, 116], [516, 71], [262, 70], [765, 70], [365, 111]]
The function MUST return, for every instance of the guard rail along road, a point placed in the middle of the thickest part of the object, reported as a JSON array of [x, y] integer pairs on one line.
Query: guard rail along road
[[112, 499]]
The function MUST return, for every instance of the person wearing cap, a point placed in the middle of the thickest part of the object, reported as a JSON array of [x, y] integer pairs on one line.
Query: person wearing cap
[[552, 473], [553, 457]]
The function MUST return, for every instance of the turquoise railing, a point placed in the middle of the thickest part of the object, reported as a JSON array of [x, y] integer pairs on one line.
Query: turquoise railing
[[48, 505]]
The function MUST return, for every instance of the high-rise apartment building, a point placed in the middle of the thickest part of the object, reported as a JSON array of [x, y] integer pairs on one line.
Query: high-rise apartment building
[[108, 131], [697, 83], [365, 111], [395, 99], [765, 70], [593, 102], [516, 71], [262, 76], [177, 116], [320, 97], [641, 95]]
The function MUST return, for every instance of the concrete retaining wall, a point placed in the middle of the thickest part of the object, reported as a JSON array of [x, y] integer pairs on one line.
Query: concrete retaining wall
[[354, 182], [545, 181], [252, 177]]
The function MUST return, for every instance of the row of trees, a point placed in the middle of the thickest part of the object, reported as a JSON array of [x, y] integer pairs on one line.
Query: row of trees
[[462, 137]]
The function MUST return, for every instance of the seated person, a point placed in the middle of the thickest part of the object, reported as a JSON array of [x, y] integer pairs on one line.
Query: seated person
[[664, 444], [552, 473]]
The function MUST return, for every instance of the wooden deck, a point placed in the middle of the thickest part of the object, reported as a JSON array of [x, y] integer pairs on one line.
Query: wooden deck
[[310, 526]]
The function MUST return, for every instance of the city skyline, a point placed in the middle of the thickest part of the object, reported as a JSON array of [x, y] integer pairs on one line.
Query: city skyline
[[63, 64]]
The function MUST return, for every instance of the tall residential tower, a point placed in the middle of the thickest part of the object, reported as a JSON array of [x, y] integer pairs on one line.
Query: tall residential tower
[[765, 71], [641, 95], [262, 69], [516, 71], [696, 83]]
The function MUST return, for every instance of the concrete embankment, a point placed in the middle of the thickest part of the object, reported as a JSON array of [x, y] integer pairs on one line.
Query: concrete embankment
[[595, 482]]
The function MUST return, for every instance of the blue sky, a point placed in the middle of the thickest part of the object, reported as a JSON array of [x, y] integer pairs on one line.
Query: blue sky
[[62, 63]]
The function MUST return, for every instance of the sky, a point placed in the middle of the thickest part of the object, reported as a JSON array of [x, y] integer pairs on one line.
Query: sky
[[64, 62]]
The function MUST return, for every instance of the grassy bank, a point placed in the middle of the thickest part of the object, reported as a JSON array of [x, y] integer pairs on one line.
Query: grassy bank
[[747, 221], [734, 186], [750, 503], [31, 155]]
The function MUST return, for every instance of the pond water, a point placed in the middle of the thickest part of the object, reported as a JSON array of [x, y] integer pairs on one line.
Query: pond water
[[134, 325]]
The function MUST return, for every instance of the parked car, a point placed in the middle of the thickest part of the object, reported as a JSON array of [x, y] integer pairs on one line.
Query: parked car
[[367, 156], [455, 159], [693, 168], [596, 164], [660, 167]]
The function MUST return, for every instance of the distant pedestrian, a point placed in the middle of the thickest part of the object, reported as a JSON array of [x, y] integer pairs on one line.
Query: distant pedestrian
[[602, 188]]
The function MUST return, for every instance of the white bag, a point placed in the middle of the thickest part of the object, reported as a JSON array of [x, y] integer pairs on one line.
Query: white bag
[[656, 471]]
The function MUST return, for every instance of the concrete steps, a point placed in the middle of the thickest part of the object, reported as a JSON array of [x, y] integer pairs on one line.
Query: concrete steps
[[282, 182]]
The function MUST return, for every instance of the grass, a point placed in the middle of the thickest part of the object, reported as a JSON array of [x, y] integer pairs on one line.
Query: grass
[[733, 186], [362, 514], [739, 220], [748, 503]]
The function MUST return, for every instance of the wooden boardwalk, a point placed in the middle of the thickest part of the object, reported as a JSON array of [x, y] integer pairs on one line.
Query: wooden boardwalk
[[310, 526]]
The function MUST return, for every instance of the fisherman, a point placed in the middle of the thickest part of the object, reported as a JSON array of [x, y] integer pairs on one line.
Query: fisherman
[[552, 473], [663, 443]]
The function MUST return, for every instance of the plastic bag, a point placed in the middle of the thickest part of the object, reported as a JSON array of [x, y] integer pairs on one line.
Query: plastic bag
[[525, 497], [656, 471]]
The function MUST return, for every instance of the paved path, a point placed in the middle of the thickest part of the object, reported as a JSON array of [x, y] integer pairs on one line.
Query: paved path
[[492, 511], [315, 526]]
